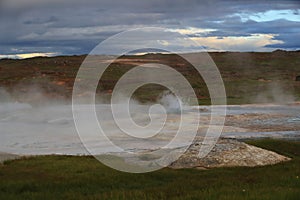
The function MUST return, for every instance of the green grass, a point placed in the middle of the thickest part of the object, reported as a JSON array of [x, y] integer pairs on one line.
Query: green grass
[[75, 177]]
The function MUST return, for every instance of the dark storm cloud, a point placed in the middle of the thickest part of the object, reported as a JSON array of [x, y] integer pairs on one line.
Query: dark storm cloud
[[75, 27], [239, 28], [41, 21], [291, 41]]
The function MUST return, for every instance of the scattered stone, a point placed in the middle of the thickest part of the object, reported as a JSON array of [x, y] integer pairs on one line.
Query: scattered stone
[[228, 153]]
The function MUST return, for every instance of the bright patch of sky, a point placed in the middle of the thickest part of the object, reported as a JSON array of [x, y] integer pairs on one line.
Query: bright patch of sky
[[192, 30], [271, 15], [255, 42], [27, 55]]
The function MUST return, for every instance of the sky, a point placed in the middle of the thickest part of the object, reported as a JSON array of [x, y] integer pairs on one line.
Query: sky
[[32, 28]]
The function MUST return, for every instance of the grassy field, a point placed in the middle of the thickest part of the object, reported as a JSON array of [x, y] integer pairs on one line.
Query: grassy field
[[75, 177]]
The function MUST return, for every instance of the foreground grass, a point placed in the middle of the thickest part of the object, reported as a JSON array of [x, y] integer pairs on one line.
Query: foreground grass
[[71, 177]]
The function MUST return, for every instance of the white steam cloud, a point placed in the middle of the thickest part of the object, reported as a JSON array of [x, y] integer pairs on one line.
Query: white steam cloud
[[275, 93]]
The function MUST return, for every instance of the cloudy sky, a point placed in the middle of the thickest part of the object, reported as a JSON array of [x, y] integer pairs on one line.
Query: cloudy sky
[[35, 27]]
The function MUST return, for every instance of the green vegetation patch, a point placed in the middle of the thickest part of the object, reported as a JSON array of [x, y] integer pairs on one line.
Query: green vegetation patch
[[83, 177]]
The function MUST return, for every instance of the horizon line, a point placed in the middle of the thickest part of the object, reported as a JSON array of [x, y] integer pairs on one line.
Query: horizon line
[[53, 55]]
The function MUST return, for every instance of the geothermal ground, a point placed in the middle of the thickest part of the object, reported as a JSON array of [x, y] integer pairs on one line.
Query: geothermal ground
[[44, 130], [43, 124]]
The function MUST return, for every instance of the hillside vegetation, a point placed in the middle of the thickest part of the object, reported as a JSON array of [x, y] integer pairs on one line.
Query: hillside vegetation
[[248, 77]]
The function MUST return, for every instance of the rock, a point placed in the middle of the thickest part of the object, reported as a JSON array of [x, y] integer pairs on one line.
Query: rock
[[228, 153], [7, 156]]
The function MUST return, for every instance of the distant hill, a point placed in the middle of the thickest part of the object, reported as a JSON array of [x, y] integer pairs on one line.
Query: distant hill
[[249, 77]]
